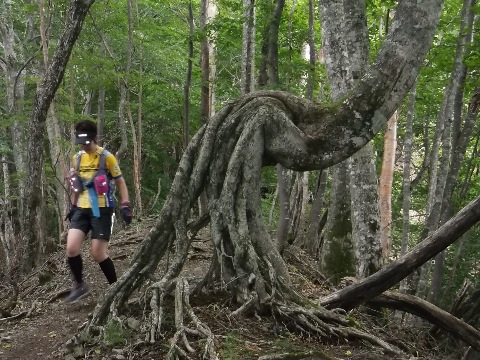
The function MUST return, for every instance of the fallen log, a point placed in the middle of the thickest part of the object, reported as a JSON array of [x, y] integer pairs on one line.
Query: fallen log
[[429, 312], [374, 285]]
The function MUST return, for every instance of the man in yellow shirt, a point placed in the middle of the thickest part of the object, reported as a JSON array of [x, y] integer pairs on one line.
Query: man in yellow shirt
[[92, 210]]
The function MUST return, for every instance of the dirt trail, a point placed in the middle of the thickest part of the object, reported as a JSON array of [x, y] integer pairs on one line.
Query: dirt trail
[[53, 322]]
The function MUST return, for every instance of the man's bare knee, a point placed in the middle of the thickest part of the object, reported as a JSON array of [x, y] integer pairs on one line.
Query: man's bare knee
[[74, 242], [99, 250]]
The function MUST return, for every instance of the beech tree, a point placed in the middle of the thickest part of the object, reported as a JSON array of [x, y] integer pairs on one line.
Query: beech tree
[[225, 157]]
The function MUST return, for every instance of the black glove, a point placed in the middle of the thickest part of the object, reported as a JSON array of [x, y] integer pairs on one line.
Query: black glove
[[126, 212], [69, 216]]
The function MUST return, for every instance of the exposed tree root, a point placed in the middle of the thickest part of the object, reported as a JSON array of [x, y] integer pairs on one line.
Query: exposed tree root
[[224, 160], [326, 324], [14, 317], [180, 342]]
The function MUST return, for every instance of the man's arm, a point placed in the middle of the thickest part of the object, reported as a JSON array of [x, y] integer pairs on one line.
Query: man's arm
[[125, 204], [74, 198], [122, 188]]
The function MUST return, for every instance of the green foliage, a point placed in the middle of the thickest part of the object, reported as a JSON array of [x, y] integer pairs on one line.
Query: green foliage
[[233, 347], [115, 334]]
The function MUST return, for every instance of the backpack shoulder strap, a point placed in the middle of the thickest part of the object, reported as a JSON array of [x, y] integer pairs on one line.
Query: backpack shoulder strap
[[103, 157], [78, 159]]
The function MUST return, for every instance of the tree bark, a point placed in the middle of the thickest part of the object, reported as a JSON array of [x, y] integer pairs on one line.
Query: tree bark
[[385, 185], [336, 253], [284, 204], [136, 127], [313, 223], [188, 80], [311, 51], [352, 50], [407, 285], [248, 47]]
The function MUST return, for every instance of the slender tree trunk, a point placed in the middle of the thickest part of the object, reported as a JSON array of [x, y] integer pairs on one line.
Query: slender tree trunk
[[385, 185], [208, 10], [407, 285], [297, 211], [136, 140], [205, 65], [7, 235], [188, 80], [124, 106], [139, 142], [447, 115], [58, 160], [87, 106], [311, 50], [101, 115], [14, 67], [43, 98], [248, 47], [268, 71], [312, 242], [284, 202]]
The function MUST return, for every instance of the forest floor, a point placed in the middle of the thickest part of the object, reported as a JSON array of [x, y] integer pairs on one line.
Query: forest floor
[[49, 324]]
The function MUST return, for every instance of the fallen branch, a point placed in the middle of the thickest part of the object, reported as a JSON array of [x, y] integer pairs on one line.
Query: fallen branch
[[374, 285], [14, 317], [431, 313]]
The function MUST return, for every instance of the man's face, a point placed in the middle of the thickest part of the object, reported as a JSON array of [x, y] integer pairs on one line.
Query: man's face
[[88, 147]]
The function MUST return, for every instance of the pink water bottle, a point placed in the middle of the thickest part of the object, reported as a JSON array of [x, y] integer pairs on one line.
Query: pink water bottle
[[101, 184]]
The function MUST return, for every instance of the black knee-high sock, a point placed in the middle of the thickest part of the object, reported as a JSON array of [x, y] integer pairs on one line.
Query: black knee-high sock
[[76, 266], [109, 270]]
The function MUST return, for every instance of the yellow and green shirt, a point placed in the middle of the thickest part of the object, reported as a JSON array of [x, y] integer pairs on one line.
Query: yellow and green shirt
[[89, 164]]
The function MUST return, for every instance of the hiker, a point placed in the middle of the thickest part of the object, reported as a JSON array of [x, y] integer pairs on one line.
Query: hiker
[[92, 205]]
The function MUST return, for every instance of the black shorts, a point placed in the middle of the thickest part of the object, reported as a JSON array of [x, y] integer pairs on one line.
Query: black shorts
[[101, 227]]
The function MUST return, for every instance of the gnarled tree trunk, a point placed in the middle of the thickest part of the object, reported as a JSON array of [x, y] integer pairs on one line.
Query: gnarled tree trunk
[[225, 158]]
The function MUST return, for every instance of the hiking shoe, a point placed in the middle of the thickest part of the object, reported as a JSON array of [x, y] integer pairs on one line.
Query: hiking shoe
[[78, 292]]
